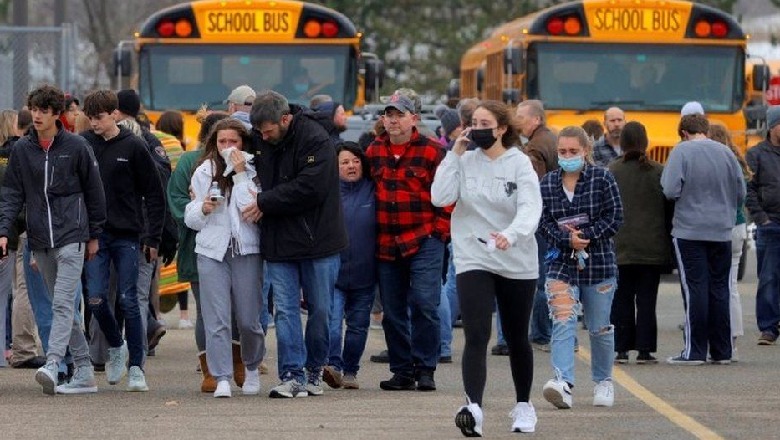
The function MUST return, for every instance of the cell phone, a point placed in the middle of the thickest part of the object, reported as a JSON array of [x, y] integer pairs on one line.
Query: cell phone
[[148, 254], [4, 252]]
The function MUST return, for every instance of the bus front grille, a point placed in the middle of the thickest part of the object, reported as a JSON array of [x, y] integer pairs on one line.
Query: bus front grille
[[659, 153]]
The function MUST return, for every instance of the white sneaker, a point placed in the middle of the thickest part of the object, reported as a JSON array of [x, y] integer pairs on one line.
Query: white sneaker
[[116, 367], [136, 381], [604, 393], [185, 324], [223, 389], [469, 419], [558, 393], [251, 385], [82, 382], [46, 376], [524, 416]]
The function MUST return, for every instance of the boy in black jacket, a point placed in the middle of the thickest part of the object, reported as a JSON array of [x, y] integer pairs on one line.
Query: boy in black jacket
[[54, 175], [129, 181]]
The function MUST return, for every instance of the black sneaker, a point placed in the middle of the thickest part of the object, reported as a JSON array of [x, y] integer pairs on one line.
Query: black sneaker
[[155, 332], [381, 358], [33, 363], [621, 357], [445, 359], [425, 381], [397, 383], [644, 357], [499, 350]]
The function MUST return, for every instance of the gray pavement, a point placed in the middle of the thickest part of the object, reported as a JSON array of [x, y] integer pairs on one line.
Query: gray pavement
[[652, 401]]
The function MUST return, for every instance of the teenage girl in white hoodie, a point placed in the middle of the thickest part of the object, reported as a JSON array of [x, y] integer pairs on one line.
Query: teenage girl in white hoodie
[[228, 252]]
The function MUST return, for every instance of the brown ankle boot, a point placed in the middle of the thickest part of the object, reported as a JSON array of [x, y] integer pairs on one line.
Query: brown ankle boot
[[209, 384], [238, 365]]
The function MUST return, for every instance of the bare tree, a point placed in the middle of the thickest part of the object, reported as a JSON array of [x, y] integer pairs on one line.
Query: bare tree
[[106, 23]]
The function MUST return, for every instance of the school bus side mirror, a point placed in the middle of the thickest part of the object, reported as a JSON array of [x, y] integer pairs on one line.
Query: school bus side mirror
[[510, 96], [123, 62], [453, 89], [761, 75], [513, 60], [374, 77]]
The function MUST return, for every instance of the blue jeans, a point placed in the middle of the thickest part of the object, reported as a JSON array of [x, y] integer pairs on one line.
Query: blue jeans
[[41, 303], [411, 291], [355, 307], [768, 292], [123, 254], [317, 277], [596, 301], [449, 308], [265, 314], [541, 325]]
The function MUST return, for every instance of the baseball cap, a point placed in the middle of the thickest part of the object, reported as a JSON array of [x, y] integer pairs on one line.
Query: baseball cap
[[241, 95], [400, 103], [692, 108]]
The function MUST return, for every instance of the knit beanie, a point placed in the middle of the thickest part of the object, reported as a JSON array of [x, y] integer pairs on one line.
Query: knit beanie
[[129, 103], [450, 120], [772, 116]]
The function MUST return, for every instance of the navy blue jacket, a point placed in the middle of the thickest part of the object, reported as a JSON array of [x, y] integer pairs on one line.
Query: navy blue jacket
[[358, 261]]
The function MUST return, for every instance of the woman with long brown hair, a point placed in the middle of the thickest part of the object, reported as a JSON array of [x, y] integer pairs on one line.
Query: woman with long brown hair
[[642, 246], [228, 253], [719, 132]]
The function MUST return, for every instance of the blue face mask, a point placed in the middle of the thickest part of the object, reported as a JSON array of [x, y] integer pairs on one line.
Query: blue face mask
[[572, 164], [300, 88]]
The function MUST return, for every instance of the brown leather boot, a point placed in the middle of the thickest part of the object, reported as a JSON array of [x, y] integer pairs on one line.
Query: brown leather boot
[[209, 384], [238, 364]]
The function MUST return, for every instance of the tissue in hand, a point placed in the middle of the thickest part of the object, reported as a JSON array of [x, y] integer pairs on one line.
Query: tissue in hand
[[229, 163]]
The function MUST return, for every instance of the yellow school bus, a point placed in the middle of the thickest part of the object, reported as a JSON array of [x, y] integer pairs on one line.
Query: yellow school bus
[[648, 57], [195, 53]]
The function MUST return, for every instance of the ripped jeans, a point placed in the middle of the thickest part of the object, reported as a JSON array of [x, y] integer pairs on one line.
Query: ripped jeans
[[564, 301]]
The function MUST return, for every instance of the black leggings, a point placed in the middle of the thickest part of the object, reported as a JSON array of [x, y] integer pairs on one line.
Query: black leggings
[[478, 292]]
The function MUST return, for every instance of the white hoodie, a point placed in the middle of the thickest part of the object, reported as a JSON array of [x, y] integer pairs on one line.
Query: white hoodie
[[500, 195], [216, 229]]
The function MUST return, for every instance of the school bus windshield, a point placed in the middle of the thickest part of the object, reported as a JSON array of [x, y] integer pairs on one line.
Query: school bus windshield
[[184, 77], [635, 76]]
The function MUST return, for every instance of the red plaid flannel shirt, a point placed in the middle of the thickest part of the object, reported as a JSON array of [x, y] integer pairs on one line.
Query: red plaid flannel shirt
[[405, 215]]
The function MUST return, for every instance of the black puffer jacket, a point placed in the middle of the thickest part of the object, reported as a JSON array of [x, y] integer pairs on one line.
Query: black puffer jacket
[[18, 226], [61, 187], [763, 190], [302, 213]]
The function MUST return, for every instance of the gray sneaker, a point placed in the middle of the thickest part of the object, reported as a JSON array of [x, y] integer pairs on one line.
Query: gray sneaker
[[314, 384], [83, 382], [116, 367], [46, 376], [289, 388], [136, 381]]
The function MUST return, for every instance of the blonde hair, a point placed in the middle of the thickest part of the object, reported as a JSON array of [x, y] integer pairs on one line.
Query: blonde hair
[[132, 125], [720, 133], [573, 131], [82, 123], [8, 125]]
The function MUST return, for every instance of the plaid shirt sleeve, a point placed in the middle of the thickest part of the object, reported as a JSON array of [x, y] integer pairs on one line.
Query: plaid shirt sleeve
[[603, 153], [405, 214]]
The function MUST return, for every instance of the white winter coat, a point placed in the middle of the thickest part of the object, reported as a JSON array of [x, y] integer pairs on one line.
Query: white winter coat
[[216, 229]]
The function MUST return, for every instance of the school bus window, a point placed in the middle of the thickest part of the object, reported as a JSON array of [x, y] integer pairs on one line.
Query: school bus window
[[234, 71], [185, 70]]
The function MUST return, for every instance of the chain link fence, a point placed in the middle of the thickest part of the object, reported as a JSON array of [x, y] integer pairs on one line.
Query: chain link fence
[[30, 56]]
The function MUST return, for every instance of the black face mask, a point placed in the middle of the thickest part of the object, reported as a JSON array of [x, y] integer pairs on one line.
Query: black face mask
[[483, 137]]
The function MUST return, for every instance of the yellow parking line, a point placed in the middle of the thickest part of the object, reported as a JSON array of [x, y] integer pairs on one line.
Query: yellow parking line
[[677, 417]]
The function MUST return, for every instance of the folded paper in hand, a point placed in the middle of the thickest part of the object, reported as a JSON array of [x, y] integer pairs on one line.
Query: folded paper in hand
[[229, 163], [575, 221]]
